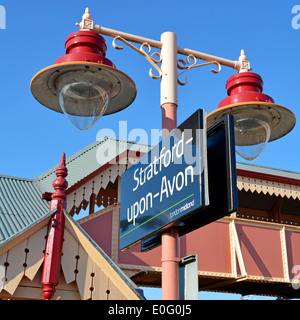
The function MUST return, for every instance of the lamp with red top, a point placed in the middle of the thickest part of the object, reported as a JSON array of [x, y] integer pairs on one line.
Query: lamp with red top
[[83, 83], [257, 118]]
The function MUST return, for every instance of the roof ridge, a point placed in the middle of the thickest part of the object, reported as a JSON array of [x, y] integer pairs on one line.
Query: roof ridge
[[278, 171], [79, 153], [70, 159], [132, 142]]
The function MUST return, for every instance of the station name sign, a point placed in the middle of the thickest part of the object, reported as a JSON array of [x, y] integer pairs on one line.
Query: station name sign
[[166, 184]]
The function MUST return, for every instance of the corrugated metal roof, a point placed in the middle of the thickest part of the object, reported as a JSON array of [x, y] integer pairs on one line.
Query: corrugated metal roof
[[89, 159], [20, 205], [21, 199]]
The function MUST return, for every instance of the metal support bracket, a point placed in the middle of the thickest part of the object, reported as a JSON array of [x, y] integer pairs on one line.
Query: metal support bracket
[[153, 62], [187, 65], [87, 23], [237, 249]]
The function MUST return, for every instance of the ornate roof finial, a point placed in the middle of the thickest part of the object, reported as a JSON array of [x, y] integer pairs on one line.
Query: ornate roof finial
[[55, 234]]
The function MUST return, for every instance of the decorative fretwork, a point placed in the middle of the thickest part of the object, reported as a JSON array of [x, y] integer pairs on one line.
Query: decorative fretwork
[[144, 53], [188, 64], [105, 198]]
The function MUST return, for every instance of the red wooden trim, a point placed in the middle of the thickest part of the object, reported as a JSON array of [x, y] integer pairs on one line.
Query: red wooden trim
[[55, 234], [47, 196], [268, 177]]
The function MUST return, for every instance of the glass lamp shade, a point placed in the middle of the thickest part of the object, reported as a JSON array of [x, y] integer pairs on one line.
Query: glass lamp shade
[[256, 123], [83, 98], [251, 137], [84, 91], [83, 103], [257, 118]]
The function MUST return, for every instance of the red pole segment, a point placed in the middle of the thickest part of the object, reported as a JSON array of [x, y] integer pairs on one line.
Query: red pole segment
[[53, 251], [170, 264], [170, 251], [169, 118]]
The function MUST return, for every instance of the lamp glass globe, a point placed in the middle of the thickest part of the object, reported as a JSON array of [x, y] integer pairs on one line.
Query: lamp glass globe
[[251, 136], [83, 103]]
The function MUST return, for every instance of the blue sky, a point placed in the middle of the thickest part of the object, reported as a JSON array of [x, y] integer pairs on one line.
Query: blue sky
[[33, 137]]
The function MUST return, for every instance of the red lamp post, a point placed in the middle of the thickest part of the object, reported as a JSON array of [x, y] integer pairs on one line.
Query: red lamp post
[[84, 84]]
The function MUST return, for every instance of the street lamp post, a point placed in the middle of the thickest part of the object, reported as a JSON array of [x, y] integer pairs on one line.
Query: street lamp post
[[84, 84], [170, 256]]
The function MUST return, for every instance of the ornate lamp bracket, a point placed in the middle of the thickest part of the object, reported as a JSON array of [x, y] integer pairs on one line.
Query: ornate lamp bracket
[[243, 65], [187, 65], [144, 50]]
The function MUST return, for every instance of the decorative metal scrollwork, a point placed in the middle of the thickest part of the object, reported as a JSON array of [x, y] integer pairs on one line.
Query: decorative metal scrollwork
[[154, 62], [155, 59], [187, 65]]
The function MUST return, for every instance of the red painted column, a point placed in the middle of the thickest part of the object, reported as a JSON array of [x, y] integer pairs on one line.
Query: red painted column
[[170, 264], [169, 118], [53, 251], [170, 256]]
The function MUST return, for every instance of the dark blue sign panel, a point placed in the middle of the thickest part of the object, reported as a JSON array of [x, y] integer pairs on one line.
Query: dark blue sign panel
[[222, 181], [166, 184]]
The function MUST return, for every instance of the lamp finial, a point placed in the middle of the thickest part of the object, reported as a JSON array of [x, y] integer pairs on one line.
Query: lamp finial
[[245, 64], [87, 21]]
